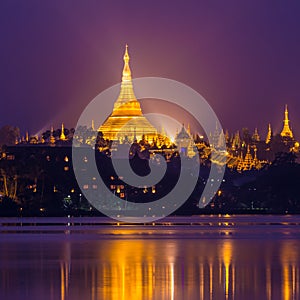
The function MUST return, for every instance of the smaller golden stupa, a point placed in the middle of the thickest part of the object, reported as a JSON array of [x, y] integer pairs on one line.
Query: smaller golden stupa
[[286, 130], [127, 122]]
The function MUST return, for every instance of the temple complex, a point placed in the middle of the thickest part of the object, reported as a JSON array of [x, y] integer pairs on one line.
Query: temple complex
[[127, 125], [248, 162]]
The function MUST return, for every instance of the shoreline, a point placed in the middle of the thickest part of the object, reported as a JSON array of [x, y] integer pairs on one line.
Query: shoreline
[[195, 227]]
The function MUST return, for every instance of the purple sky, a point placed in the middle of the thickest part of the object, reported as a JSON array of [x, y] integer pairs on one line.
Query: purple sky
[[242, 56]]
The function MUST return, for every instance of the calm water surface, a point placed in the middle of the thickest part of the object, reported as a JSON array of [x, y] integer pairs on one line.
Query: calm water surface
[[216, 259]]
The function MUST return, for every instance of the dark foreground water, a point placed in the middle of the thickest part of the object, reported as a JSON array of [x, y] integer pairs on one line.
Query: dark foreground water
[[188, 258]]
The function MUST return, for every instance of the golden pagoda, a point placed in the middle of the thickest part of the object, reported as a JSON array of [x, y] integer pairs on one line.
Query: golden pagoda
[[246, 164], [126, 120], [62, 134], [286, 131], [269, 134], [256, 136]]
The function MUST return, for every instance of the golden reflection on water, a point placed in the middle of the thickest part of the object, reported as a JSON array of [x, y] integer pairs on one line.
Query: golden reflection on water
[[268, 282], [170, 269], [120, 269], [290, 271], [226, 253], [65, 266]]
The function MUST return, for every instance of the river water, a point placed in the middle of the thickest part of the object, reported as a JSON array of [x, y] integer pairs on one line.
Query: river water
[[208, 257]]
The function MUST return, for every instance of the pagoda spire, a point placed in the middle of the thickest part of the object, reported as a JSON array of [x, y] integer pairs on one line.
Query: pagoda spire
[[62, 135], [189, 129], [126, 75], [127, 112], [269, 134], [126, 102], [286, 131], [256, 136], [163, 133]]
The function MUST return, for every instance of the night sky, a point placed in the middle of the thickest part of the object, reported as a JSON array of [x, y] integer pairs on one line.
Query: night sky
[[242, 56]]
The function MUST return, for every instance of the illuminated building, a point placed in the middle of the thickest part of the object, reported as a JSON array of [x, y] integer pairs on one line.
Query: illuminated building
[[248, 162], [255, 136], [236, 144], [184, 142], [62, 135], [236, 159], [126, 120], [286, 131], [269, 134]]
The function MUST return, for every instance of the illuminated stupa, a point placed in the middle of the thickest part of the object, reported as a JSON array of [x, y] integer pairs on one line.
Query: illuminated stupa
[[126, 121], [286, 131]]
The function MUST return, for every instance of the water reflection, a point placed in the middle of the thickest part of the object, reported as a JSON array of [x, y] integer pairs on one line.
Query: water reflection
[[290, 273], [36, 268]]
